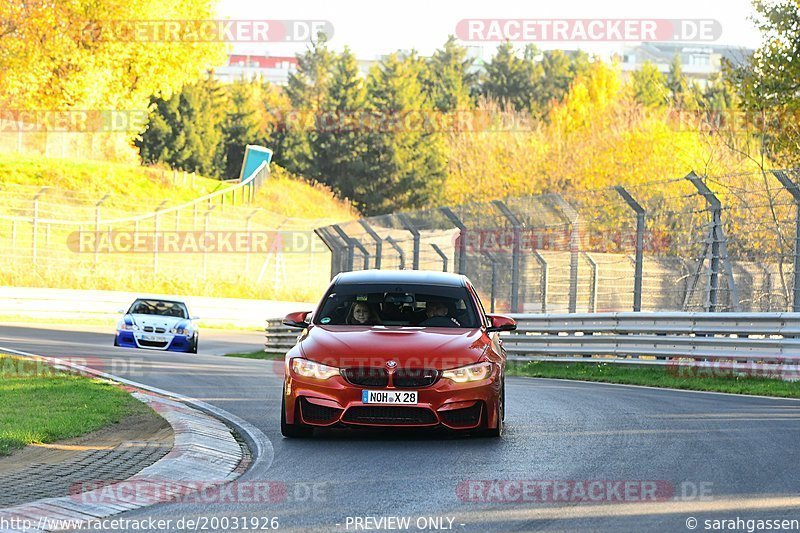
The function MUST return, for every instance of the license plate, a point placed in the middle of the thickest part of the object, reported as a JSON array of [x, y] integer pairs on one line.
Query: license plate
[[389, 397], [153, 338]]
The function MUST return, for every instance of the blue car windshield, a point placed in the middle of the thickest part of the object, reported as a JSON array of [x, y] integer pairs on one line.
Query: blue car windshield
[[392, 305]]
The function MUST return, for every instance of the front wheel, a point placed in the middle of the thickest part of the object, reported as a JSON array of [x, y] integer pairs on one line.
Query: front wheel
[[292, 431], [195, 342]]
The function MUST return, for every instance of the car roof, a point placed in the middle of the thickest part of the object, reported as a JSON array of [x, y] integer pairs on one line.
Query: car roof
[[420, 277]]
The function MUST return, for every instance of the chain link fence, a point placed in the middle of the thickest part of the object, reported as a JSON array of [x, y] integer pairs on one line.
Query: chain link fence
[[726, 243], [220, 244]]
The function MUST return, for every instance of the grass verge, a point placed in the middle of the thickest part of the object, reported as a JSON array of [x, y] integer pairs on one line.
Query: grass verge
[[258, 355], [658, 376], [39, 404]]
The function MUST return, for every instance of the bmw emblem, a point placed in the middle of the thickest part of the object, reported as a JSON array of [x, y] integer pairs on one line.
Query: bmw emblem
[[391, 364]]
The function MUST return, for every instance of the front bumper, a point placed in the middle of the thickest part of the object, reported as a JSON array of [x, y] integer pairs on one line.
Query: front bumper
[[171, 342], [336, 402]]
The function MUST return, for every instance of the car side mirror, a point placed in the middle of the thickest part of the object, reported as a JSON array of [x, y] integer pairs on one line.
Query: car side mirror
[[296, 320], [500, 323]]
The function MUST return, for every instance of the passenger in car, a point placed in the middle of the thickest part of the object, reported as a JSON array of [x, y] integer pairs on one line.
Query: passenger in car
[[361, 313]]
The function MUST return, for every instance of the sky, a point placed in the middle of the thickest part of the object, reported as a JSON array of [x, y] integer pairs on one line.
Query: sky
[[373, 28]]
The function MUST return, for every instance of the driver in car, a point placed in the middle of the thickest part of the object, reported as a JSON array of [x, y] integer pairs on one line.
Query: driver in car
[[436, 314]]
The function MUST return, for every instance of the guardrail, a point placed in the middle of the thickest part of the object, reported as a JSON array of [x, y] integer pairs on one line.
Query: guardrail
[[635, 338]]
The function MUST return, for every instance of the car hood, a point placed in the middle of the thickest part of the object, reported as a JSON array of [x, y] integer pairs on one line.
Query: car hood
[[156, 321], [438, 348]]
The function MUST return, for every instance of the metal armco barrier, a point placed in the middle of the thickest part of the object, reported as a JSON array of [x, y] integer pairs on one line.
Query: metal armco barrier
[[624, 337]]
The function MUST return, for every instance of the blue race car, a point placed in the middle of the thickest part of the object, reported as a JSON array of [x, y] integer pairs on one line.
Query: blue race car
[[157, 325]]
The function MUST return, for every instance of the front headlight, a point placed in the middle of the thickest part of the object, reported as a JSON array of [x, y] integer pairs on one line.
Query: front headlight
[[465, 374], [180, 331], [310, 369], [128, 327]]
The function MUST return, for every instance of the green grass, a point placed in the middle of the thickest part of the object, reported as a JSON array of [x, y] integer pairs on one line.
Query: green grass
[[42, 405], [652, 376], [258, 355]]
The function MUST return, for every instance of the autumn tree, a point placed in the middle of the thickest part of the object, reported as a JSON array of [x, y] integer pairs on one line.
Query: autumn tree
[[68, 55]]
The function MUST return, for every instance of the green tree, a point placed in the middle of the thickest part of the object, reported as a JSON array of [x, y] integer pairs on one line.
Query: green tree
[[185, 130], [68, 55], [307, 91], [242, 124], [649, 86], [678, 85], [448, 79], [406, 161], [768, 82], [339, 147], [510, 79]]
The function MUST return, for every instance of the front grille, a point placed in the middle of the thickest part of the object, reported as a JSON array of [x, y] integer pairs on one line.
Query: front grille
[[391, 415], [318, 413], [414, 378], [161, 330], [366, 377], [467, 417], [152, 344], [148, 329]]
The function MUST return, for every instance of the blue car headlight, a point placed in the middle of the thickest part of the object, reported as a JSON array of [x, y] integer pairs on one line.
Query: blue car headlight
[[180, 331]]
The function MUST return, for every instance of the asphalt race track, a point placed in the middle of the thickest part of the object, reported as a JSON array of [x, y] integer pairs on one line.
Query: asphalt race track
[[742, 453]]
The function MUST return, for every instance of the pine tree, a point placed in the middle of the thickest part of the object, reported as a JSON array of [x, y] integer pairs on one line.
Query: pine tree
[[242, 124], [339, 146], [406, 160], [679, 88], [511, 80], [650, 86], [448, 79], [307, 90]]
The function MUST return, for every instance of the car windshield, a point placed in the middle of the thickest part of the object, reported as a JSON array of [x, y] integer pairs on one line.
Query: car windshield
[[393, 305], [159, 307]]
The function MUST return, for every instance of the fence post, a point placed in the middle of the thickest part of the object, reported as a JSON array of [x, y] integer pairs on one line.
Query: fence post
[[333, 246], [791, 186], [638, 265], [249, 240], [593, 284], [493, 294], [461, 259], [350, 247], [206, 216], [543, 279], [399, 250], [409, 226], [35, 224], [97, 207], [441, 254], [570, 215], [378, 242], [155, 238], [516, 226], [718, 249]]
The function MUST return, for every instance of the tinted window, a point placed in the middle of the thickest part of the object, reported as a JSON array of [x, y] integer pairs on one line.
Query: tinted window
[[159, 307], [398, 305]]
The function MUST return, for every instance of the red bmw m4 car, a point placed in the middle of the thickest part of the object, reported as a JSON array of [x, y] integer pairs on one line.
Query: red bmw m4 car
[[396, 349]]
